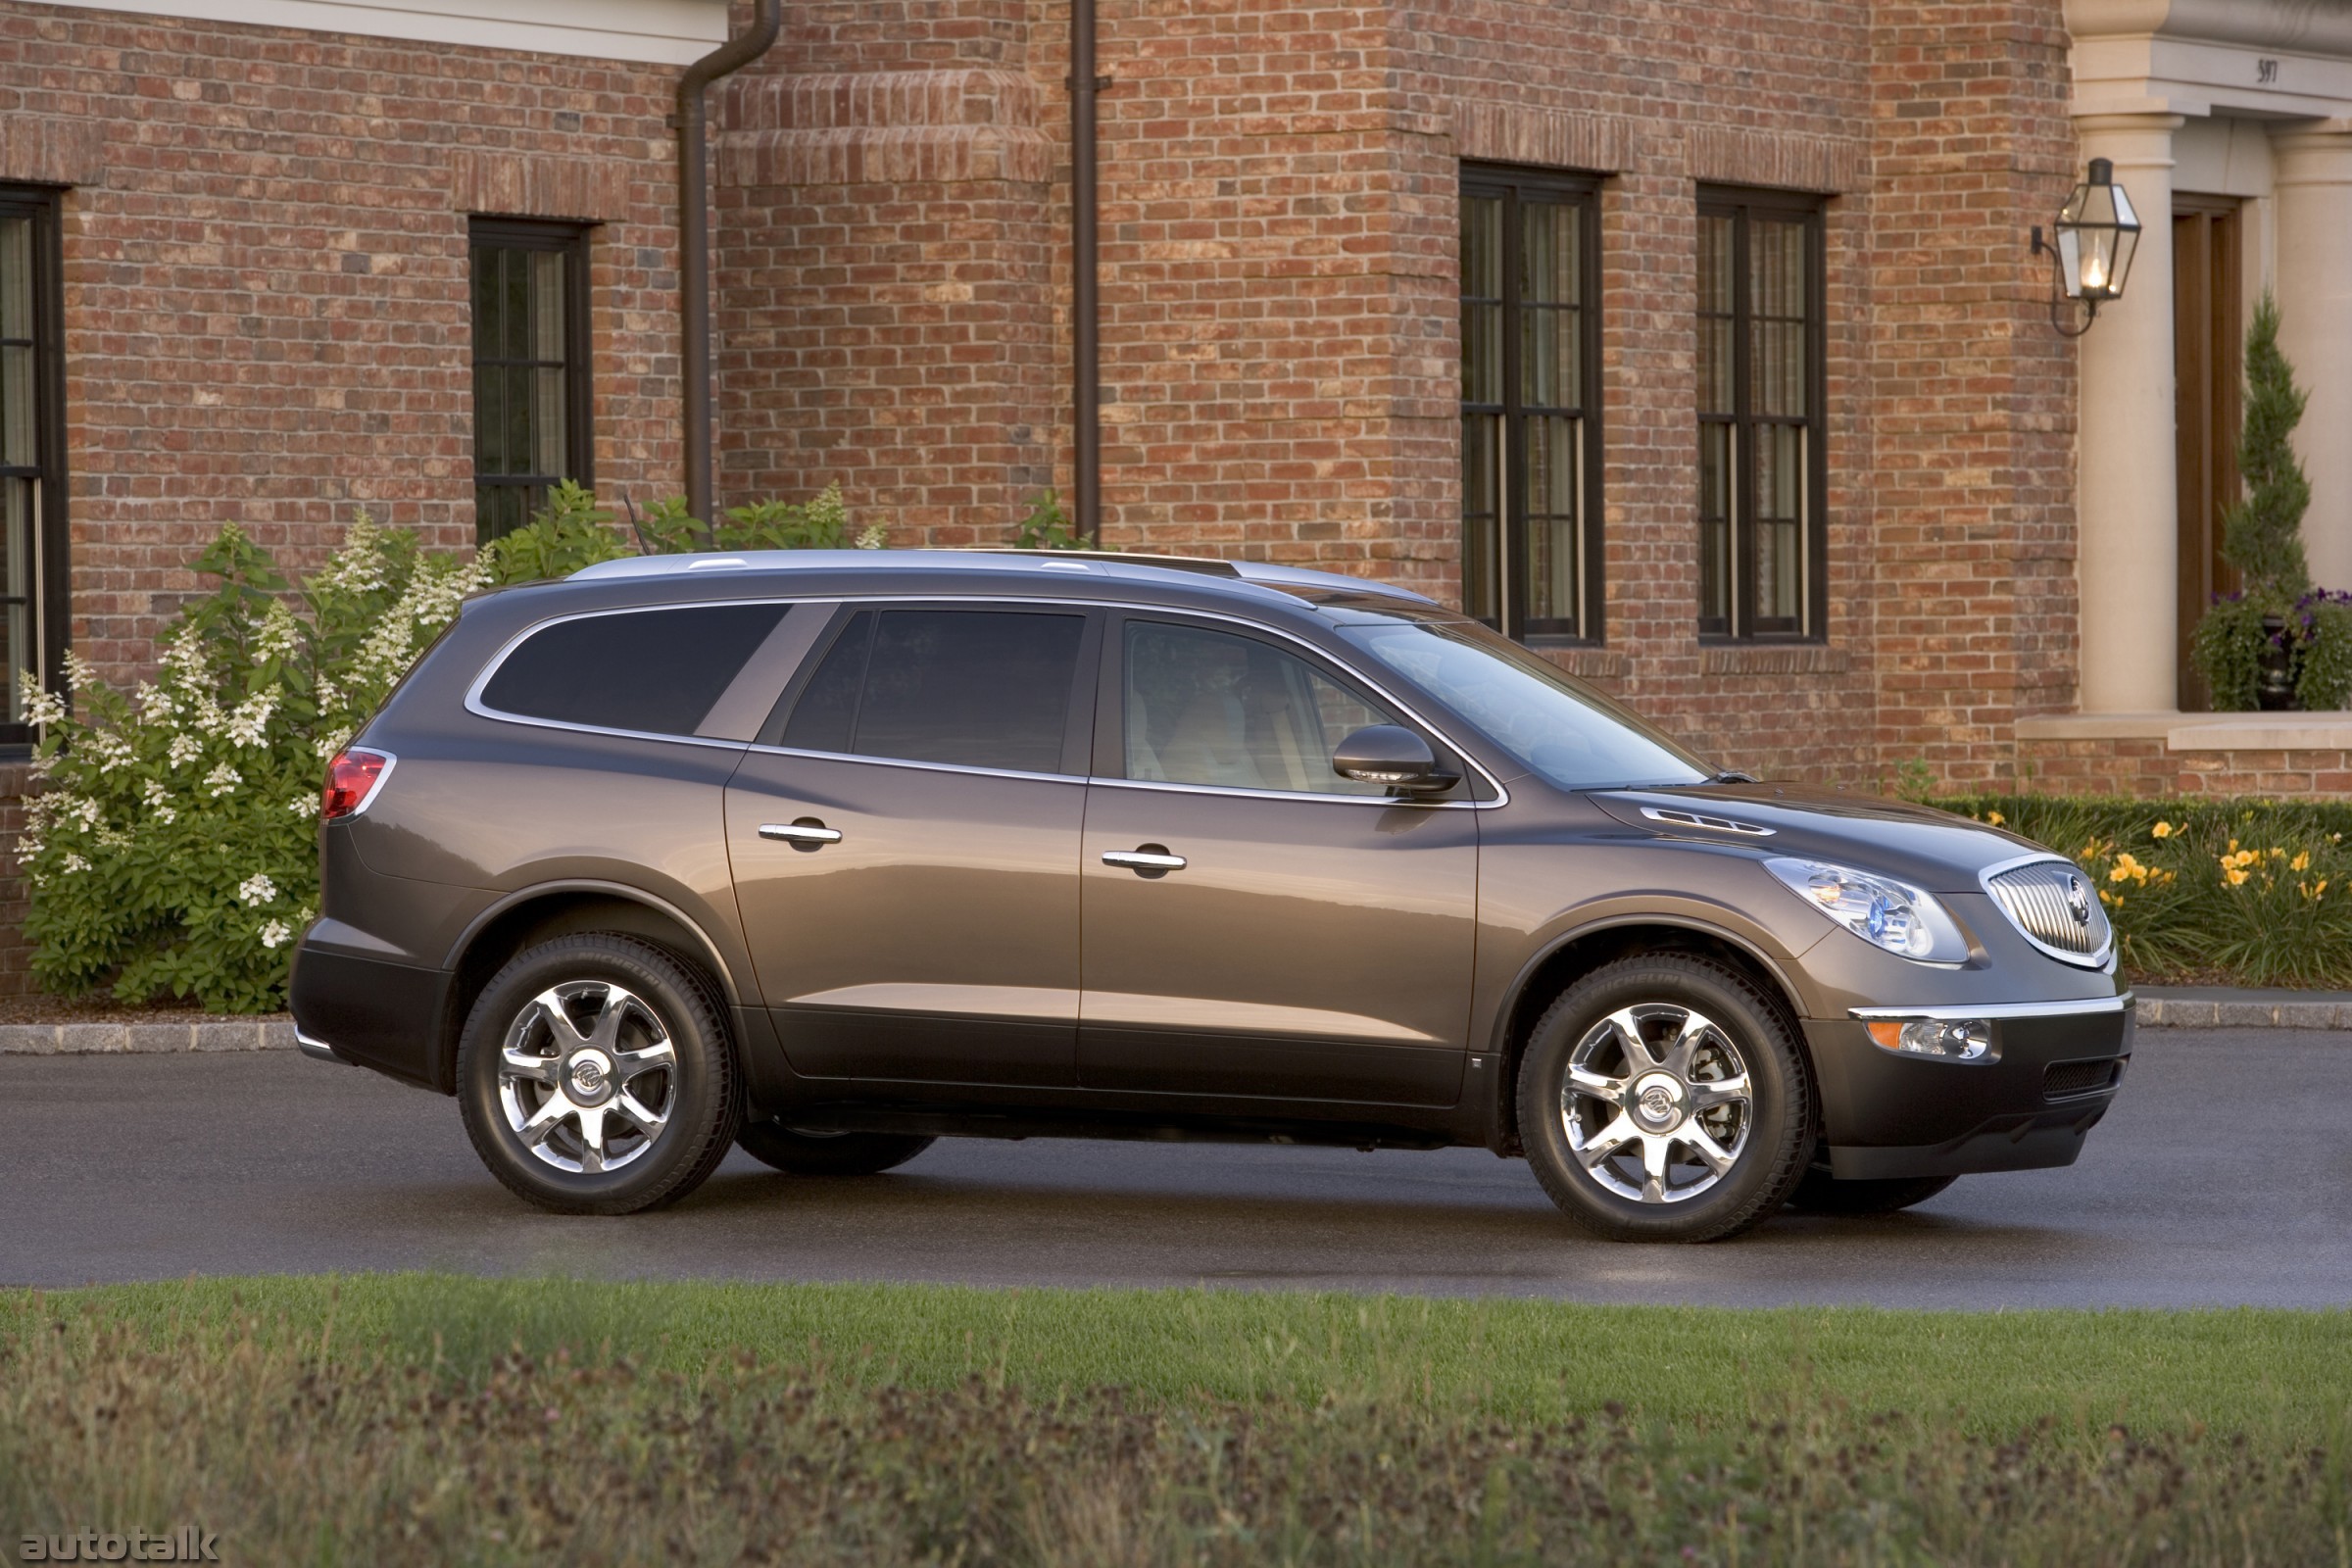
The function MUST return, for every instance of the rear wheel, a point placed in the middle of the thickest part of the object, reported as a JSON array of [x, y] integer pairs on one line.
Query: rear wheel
[[1664, 1099], [811, 1153], [1820, 1193], [595, 1076]]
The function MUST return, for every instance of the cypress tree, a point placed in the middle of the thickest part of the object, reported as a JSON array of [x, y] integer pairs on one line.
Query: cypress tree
[[2263, 534]]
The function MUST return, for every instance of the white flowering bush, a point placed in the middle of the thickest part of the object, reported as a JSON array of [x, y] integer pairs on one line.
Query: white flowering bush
[[172, 848]]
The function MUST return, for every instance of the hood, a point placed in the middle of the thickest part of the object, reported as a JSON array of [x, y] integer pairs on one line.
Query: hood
[[1915, 843]]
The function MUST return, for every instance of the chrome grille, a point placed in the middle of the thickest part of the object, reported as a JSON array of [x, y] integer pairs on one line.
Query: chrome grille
[[2041, 897]]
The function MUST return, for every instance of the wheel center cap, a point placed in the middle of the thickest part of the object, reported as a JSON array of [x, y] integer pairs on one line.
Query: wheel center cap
[[1658, 1101], [589, 1076]]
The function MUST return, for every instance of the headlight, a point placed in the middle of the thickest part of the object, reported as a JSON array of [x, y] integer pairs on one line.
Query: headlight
[[1891, 914]]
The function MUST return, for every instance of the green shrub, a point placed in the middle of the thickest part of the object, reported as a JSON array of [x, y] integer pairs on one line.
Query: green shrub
[[573, 532], [173, 848], [2238, 892]]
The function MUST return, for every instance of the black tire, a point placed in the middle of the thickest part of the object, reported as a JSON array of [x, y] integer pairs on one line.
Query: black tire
[[1820, 1193], [640, 986], [1771, 1132], [771, 1143]]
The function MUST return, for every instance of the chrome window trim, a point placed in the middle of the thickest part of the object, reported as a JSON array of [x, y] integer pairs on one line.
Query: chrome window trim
[[2101, 960], [2090, 1006], [476, 706]]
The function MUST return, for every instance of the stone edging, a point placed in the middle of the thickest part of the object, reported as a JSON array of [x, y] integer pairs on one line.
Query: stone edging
[[2184, 1012], [147, 1039]]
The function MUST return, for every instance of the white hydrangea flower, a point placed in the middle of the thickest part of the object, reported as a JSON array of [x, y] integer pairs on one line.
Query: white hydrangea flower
[[81, 809], [330, 743], [74, 862], [281, 633], [186, 748], [110, 838], [81, 674], [159, 801], [41, 705], [275, 934], [28, 848], [209, 716], [256, 889], [223, 780], [360, 566], [108, 750], [872, 536], [185, 664], [303, 805], [248, 723]]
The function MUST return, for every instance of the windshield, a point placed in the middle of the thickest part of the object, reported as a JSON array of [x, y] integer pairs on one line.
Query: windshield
[[1554, 724]]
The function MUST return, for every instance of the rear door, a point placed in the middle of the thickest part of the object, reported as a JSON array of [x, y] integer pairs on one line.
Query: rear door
[[905, 842], [1254, 924]]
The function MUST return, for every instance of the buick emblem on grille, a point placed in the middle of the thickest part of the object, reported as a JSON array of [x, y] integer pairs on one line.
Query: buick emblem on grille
[[2077, 899]]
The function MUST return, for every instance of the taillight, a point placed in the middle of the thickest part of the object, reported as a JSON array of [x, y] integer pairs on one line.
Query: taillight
[[352, 780]]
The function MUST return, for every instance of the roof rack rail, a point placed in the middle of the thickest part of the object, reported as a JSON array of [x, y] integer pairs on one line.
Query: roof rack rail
[[1209, 565]]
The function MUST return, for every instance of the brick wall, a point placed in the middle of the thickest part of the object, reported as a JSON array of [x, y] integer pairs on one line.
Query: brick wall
[[266, 315]]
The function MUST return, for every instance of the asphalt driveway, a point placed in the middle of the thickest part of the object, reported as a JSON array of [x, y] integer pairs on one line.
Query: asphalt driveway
[[2223, 1176]]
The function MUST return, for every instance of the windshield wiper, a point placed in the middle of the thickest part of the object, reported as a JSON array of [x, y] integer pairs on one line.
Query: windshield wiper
[[1732, 775]]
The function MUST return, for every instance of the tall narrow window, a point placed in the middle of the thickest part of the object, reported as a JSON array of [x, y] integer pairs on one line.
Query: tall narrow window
[[1531, 426], [32, 452], [531, 368], [1762, 468]]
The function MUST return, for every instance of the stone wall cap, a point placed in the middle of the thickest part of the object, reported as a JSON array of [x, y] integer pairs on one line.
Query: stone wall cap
[[2198, 732]]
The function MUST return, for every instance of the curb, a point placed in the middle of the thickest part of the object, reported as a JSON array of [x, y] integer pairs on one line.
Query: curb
[[2202, 1012], [145, 1039]]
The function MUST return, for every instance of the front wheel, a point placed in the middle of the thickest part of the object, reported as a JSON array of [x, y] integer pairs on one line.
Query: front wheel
[[1664, 1099], [596, 1077]]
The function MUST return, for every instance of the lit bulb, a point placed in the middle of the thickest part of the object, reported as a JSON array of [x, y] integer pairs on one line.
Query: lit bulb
[[2094, 274]]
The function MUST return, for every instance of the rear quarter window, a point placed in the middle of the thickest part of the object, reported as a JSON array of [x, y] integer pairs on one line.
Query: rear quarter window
[[656, 671]]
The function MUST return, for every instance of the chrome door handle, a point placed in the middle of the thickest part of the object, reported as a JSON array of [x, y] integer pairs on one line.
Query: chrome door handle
[[799, 832], [1144, 859]]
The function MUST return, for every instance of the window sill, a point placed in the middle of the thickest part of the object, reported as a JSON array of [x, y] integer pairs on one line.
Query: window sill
[[1772, 659]]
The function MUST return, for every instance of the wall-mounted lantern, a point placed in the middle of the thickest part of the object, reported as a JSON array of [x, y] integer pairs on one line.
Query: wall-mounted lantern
[[2094, 237]]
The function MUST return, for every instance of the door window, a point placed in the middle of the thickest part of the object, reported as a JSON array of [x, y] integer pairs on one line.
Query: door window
[[969, 688], [656, 671], [1212, 708]]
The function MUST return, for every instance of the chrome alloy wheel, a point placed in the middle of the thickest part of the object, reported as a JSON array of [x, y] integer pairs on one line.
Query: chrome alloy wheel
[[587, 1076], [1656, 1102]]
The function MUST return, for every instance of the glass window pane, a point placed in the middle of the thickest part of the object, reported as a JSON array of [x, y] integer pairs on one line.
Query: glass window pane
[[1780, 521], [656, 671], [1715, 365], [1482, 515], [1482, 352], [15, 277], [547, 304], [1211, 707], [20, 514], [1776, 266], [1549, 273], [513, 306], [971, 688], [1715, 263], [1777, 365], [1548, 357], [19, 440], [549, 425], [825, 716], [1714, 522], [1482, 247], [1553, 481], [515, 402]]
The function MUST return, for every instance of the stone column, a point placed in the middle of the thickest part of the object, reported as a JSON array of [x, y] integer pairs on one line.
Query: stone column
[[2125, 495], [2313, 181]]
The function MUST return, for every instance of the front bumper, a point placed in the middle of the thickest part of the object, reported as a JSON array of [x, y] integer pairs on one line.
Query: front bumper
[[1888, 1116]]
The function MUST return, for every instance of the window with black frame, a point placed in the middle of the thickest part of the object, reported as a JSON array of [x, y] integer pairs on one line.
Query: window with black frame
[[32, 452], [1531, 404], [1762, 463], [531, 416]]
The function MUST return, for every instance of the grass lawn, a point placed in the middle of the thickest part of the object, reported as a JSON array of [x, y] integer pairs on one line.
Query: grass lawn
[[429, 1418]]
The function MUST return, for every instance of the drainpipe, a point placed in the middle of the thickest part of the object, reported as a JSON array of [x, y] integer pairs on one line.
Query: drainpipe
[[694, 237], [1086, 410]]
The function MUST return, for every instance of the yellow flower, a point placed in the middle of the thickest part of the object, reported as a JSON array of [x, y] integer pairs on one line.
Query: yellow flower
[[2106, 897], [2162, 830], [2277, 853], [1995, 818], [2233, 845], [2236, 876], [2301, 863]]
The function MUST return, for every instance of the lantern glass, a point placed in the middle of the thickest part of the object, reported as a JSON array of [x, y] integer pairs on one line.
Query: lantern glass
[[2097, 232]]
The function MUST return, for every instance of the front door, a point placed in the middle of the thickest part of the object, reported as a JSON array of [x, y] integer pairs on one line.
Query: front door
[[906, 847], [1254, 924]]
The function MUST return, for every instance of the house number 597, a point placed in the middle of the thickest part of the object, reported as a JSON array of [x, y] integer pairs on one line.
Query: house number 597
[[2265, 72]]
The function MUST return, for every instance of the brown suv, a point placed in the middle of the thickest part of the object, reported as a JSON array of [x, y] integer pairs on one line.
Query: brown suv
[[830, 854]]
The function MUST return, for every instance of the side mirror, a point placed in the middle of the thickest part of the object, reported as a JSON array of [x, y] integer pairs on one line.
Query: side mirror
[[1390, 755]]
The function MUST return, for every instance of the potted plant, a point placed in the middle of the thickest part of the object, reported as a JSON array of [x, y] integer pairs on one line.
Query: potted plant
[[2277, 641]]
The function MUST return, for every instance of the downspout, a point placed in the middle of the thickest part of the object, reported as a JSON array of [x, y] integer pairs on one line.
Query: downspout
[[1086, 402], [694, 238]]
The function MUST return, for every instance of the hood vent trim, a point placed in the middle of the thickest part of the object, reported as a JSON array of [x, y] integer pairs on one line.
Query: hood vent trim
[[1717, 824]]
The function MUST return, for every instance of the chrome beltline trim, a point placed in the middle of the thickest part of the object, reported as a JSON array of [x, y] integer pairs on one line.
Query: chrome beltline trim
[[2088, 1007]]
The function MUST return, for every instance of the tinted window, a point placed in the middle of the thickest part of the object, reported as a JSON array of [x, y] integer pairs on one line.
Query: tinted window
[[1555, 725], [1210, 708], [975, 688], [657, 670]]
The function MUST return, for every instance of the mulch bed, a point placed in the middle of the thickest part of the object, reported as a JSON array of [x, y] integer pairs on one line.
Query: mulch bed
[[103, 1008]]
